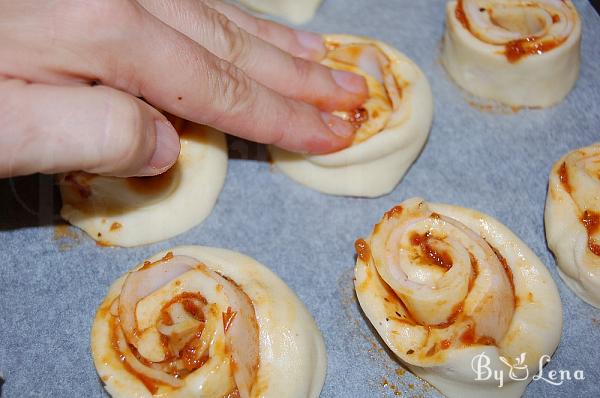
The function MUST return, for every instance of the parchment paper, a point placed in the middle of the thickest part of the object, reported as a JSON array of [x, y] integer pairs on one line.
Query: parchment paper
[[53, 278]]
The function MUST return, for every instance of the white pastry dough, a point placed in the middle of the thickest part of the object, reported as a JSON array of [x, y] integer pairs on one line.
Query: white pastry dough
[[394, 123], [573, 220], [206, 323], [295, 11], [517, 52], [442, 284], [137, 211]]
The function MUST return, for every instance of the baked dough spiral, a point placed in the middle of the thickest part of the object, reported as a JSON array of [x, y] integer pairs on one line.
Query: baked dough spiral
[[205, 322], [572, 220], [517, 52], [393, 124], [443, 284], [137, 211]]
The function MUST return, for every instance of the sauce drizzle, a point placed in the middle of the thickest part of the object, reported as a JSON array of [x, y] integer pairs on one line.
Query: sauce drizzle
[[362, 250], [591, 221]]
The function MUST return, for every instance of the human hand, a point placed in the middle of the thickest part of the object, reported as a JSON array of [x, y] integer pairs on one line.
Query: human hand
[[73, 72]]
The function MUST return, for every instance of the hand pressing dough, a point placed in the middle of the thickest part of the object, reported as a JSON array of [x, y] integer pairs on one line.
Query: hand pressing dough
[[206, 323], [295, 11], [443, 285], [137, 211], [517, 52], [573, 221], [393, 123]]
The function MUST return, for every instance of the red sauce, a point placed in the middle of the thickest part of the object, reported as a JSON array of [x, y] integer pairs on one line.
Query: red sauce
[[228, 318], [474, 269], [362, 250], [458, 309], [432, 350], [394, 211], [358, 116], [115, 226], [469, 338], [149, 264], [445, 344], [563, 176], [434, 257], [555, 18], [517, 49], [151, 384], [460, 15], [234, 394], [190, 302], [506, 267], [591, 221], [188, 355]]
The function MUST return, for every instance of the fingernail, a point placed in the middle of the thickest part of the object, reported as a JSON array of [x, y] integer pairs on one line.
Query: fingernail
[[166, 151], [348, 81], [337, 126], [312, 43]]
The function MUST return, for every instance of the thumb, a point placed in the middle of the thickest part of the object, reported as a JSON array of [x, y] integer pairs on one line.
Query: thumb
[[94, 129]]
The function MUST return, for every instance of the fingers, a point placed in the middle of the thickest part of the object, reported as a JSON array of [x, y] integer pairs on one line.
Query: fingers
[[184, 79], [292, 77], [95, 129]]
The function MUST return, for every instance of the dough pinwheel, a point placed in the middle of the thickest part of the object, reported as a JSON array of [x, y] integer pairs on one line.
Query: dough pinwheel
[[205, 322], [297, 12], [137, 211], [393, 124], [573, 221], [517, 52], [446, 287]]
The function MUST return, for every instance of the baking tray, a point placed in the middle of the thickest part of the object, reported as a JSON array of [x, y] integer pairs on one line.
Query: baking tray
[[52, 278]]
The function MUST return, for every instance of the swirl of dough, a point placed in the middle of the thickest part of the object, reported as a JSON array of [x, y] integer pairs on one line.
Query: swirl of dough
[[443, 284], [392, 125], [517, 52], [204, 322], [572, 220], [141, 210], [297, 12]]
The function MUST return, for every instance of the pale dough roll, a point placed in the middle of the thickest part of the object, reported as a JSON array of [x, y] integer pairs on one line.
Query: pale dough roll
[[295, 11], [393, 124], [136, 211], [517, 52], [206, 323], [443, 284], [573, 221]]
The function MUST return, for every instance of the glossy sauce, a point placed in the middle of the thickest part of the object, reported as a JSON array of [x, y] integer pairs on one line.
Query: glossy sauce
[[362, 250], [461, 16], [358, 116], [506, 267], [228, 318], [563, 176], [115, 226], [432, 256], [517, 49], [151, 384], [396, 210], [591, 221]]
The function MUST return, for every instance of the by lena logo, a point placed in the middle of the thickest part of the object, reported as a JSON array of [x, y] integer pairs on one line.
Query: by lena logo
[[519, 371]]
